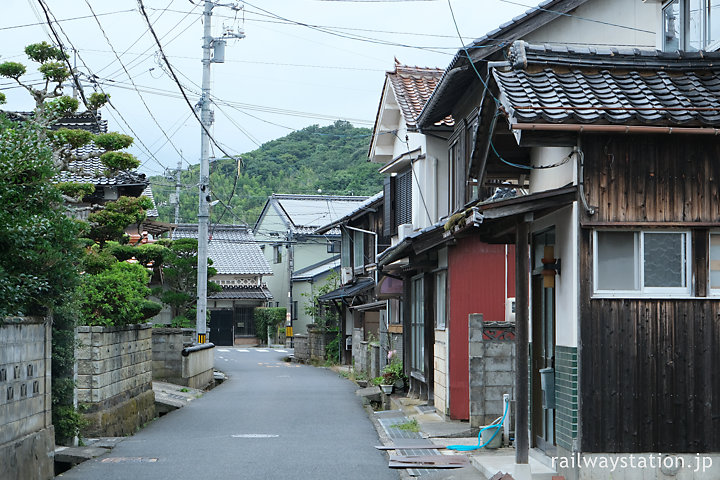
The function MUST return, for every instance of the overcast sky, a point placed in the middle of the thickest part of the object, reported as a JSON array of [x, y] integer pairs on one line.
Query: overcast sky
[[282, 76]]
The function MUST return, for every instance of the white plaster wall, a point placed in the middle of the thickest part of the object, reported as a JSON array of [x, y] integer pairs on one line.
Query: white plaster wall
[[554, 177], [643, 18], [566, 284]]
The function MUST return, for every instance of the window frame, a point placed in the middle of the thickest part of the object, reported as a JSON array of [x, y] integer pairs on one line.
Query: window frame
[[638, 256], [441, 299], [358, 249], [277, 253], [712, 292], [683, 22]]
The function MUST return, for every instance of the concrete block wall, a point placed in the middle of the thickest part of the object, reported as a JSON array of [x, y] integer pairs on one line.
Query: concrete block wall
[[26, 433], [197, 368], [167, 345], [114, 381], [492, 368]]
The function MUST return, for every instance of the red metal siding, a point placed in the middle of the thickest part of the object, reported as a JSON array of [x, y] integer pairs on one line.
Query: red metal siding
[[477, 279]]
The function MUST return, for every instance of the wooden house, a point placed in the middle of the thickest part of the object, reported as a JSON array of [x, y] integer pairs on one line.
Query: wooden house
[[617, 151]]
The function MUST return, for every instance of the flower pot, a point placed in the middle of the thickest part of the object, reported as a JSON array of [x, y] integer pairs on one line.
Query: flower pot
[[386, 389]]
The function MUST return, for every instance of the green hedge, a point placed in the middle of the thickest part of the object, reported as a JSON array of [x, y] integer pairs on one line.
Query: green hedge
[[268, 317]]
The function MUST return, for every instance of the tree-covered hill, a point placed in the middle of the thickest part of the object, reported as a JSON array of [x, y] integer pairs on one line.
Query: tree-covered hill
[[332, 159]]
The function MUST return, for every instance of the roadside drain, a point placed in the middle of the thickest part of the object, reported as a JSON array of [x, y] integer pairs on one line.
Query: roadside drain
[[129, 460]]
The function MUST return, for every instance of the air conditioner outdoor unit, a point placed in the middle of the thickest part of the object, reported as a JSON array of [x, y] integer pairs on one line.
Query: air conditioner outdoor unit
[[510, 309], [404, 230], [346, 275]]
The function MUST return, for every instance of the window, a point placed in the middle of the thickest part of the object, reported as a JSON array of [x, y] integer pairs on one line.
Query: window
[[358, 249], [403, 209], [691, 25], [417, 326], [456, 178], [345, 249], [715, 263], [277, 253], [642, 262], [333, 246], [441, 299]]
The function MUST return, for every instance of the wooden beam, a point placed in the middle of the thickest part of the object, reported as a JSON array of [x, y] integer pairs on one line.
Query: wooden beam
[[522, 299]]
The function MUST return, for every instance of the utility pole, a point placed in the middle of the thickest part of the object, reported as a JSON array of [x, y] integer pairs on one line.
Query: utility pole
[[206, 117], [177, 192], [175, 174]]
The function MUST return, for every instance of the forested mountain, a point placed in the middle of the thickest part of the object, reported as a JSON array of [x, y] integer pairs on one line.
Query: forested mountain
[[332, 159]]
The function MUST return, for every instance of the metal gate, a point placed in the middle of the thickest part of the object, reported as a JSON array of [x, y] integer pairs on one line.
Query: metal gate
[[221, 327]]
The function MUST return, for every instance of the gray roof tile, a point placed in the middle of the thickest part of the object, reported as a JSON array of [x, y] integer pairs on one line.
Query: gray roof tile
[[633, 87], [232, 249], [243, 293]]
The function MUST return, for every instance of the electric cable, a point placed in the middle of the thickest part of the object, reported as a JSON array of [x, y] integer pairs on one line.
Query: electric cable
[[142, 99]]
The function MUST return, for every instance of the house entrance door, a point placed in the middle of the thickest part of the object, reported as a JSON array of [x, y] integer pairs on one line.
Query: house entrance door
[[543, 346], [221, 327]]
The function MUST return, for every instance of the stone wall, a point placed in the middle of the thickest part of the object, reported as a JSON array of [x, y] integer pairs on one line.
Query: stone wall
[[318, 339], [167, 345], [114, 381], [302, 347], [440, 374], [492, 368], [26, 433], [359, 350]]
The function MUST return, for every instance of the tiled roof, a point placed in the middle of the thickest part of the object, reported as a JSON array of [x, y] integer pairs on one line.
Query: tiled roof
[[305, 213], [412, 87], [319, 268], [457, 76], [232, 249], [233, 233], [378, 197], [243, 293], [610, 86], [91, 170]]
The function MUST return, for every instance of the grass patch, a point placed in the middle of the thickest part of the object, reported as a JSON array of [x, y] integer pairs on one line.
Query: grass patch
[[410, 426]]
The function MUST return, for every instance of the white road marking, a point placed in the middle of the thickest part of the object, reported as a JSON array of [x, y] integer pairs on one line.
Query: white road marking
[[223, 350], [255, 435], [261, 350], [281, 351], [242, 350]]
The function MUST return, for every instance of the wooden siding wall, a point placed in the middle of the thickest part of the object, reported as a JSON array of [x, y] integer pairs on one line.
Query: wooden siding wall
[[637, 178], [649, 374]]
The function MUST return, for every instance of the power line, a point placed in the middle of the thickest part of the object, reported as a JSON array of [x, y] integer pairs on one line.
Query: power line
[[133, 63], [347, 36], [65, 57], [142, 99], [48, 12], [569, 15], [177, 81], [65, 19]]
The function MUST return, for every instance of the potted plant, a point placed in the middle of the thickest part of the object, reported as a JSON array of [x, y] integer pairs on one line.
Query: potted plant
[[393, 374], [381, 382]]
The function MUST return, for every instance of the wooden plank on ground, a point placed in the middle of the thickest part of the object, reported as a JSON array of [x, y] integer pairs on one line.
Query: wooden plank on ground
[[409, 446], [428, 461]]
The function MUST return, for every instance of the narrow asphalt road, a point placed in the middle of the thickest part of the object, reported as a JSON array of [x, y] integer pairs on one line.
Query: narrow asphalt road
[[270, 420]]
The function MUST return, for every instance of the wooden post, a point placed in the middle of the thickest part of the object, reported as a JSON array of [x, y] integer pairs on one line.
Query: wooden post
[[522, 255]]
